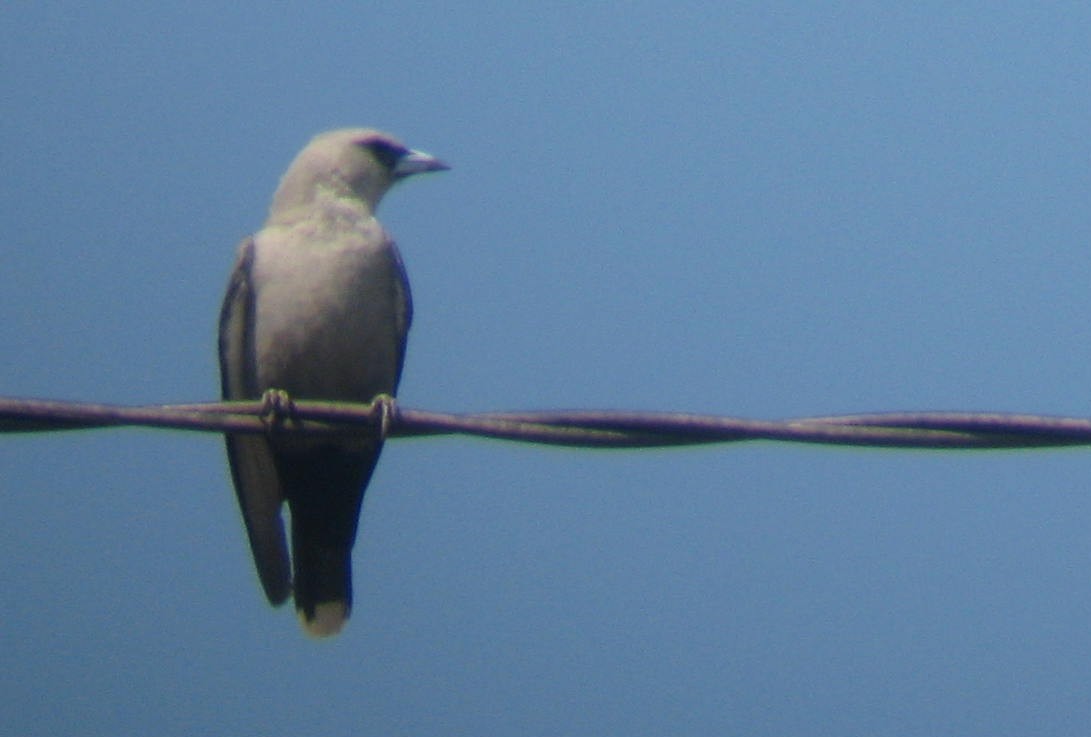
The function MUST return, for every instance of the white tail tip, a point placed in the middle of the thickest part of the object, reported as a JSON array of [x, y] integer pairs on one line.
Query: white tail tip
[[329, 618]]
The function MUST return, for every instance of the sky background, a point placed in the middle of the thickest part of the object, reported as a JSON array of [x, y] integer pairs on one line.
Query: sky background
[[751, 209]]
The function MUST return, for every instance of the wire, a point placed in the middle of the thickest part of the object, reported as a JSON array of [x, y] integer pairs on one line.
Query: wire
[[575, 428]]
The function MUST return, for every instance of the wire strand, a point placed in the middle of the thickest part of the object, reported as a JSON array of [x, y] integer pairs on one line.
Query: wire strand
[[572, 428]]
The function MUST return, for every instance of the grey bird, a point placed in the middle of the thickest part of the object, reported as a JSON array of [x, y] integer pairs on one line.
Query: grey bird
[[318, 307]]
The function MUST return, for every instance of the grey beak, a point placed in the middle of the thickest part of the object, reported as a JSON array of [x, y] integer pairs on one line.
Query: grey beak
[[417, 162]]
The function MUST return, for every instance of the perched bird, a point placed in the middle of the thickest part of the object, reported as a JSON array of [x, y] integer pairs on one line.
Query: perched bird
[[317, 307]]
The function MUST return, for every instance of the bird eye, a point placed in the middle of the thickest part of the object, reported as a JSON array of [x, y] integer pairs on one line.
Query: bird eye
[[387, 153]]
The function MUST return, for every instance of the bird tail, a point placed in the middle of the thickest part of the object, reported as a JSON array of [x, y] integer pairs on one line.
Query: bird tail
[[324, 488]]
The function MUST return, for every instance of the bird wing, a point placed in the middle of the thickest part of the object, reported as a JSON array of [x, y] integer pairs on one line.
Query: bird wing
[[252, 469], [405, 297]]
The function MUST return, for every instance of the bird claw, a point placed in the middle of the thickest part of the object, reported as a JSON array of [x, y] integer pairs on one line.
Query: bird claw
[[385, 405], [276, 408]]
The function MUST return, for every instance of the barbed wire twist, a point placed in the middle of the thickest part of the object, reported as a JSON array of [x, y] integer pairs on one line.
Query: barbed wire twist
[[573, 428]]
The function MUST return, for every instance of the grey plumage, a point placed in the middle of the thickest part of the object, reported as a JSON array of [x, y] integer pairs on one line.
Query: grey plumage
[[318, 306]]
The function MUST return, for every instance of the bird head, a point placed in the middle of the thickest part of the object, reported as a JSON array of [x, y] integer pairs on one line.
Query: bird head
[[359, 163]]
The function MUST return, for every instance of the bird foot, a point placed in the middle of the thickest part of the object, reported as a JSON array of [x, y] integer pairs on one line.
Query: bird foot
[[385, 405], [277, 407]]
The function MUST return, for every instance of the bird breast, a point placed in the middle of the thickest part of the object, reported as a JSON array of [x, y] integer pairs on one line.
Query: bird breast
[[327, 313]]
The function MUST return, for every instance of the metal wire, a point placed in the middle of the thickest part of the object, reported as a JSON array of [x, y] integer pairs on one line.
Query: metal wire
[[575, 428]]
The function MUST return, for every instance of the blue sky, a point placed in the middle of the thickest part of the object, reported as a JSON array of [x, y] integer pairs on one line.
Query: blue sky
[[757, 209]]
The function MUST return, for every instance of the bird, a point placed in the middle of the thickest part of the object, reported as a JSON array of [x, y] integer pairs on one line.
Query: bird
[[318, 307]]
